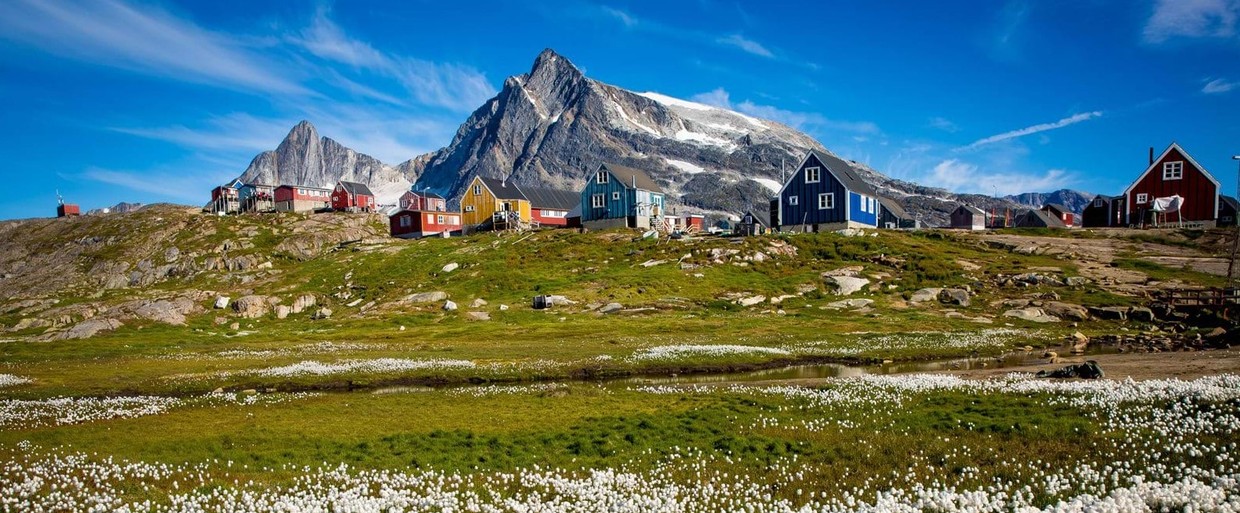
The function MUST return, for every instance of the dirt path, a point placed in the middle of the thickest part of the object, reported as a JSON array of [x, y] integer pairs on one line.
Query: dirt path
[[1138, 366]]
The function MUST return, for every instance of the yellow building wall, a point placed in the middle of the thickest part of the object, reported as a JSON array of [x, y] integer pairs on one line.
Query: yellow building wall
[[485, 204]]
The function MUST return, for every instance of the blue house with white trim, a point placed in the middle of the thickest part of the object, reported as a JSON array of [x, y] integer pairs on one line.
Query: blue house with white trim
[[826, 193], [621, 197]]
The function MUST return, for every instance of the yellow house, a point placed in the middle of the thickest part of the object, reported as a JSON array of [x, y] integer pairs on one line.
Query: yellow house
[[487, 197]]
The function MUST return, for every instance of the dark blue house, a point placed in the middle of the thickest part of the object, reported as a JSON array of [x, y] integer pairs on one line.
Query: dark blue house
[[621, 197], [826, 193]]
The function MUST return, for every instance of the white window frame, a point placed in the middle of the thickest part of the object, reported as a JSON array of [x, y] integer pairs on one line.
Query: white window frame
[[440, 220], [405, 222], [826, 201], [1143, 198], [598, 201], [602, 177], [469, 208], [793, 200], [1173, 170], [816, 174], [615, 196], [477, 190], [1099, 203]]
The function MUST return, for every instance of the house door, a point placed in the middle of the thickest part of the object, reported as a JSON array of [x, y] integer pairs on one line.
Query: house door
[[507, 206]]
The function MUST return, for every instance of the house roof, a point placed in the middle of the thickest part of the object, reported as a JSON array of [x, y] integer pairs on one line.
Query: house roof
[[972, 209], [1191, 160], [356, 188], [630, 176], [292, 186], [1107, 198], [502, 189], [424, 194], [763, 217], [1043, 216], [1057, 207], [894, 207], [843, 171], [554, 199]]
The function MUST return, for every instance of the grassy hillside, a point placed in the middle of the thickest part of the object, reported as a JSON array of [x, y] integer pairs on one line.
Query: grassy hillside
[[675, 297]]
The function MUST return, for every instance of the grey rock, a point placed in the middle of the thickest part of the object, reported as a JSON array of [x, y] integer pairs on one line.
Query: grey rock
[[426, 297], [282, 311], [503, 308], [849, 304], [322, 313], [452, 266], [923, 295], [1110, 313], [172, 254], [1141, 314], [449, 306], [846, 285], [88, 329], [1031, 314], [751, 300], [478, 303], [610, 308], [478, 316], [1067, 311], [303, 302], [221, 302], [958, 297], [168, 311], [252, 306]]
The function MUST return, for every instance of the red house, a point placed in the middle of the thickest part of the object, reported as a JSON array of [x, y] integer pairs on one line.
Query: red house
[[353, 197], [695, 221], [415, 224], [300, 198], [550, 207], [1174, 173], [68, 210], [427, 200]]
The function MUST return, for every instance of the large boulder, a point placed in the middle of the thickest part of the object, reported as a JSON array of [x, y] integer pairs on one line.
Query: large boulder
[[1141, 314], [954, 297], [849, 304], [1067, 311], [426, 297], [1030, 314], [252, 306], [1110, 313], [168, 311], [611, 308], [923, 295], [322, 313], [221, 302], [303, 302], [449, 306], [750, 301], [846, 285]]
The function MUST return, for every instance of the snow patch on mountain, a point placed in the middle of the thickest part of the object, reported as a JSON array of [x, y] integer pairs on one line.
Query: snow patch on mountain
[[687, 167], [773, 185]]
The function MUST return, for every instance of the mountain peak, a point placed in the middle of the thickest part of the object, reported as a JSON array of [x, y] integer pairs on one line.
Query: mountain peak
[[303, 131], [551, 63]]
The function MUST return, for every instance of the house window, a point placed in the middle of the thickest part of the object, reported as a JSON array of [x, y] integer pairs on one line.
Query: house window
[[826, 200], [602, 177], [1173, 170], [405, 221], [813, 174], [469, 208], [477, 190], [430, 218], [1098, 202], [615, 196], [792, 200], [598, 201], [441, 219], [1143, 198]]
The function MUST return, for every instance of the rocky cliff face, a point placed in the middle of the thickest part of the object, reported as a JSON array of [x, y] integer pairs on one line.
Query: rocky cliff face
[[305, 158], [552, 126]]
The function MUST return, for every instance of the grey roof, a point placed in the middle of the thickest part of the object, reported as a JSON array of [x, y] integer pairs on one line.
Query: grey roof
[[502, 189], [629, 176], [1057, 207], [894, 207], [294, 186], [428, 194], [356, 188], [763, 217], [846, 173], [972, 209], [552, 198], [1043, 218], [1107, 198]]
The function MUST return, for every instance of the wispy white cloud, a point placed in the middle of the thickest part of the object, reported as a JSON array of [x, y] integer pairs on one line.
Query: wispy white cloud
[[625, 18], [237, 132], [964, 177], [943, 124], [808, 121], [1070, 120], [748, 45], [177, 186], [1192, 19], [145, 40], [1218, 86]]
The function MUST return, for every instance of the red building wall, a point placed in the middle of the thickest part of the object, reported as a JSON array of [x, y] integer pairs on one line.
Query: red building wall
[[343, 200], [422, 223], [537, 215], [1199, 192]]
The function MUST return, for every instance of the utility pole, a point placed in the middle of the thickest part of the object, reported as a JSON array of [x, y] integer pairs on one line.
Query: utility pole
[[1232, 279]]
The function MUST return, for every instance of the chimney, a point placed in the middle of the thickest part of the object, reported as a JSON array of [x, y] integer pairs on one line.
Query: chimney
[[1151, 155]]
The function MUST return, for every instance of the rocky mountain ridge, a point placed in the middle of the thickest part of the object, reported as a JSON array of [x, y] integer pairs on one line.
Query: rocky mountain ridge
[[551, 126]]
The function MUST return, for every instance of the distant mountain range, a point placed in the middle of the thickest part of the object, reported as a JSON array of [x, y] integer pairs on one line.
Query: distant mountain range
[[552, 126]]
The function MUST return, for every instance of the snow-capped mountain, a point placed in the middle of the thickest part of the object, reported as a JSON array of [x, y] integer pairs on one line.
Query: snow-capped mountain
[[1076, 201], [552, 126]]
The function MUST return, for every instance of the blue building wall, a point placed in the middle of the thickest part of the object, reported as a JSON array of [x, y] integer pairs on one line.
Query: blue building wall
[[612, 209], [846, 205], [862, 209]]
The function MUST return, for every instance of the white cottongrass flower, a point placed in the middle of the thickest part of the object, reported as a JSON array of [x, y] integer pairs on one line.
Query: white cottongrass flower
[[8, 380], [687, 350]]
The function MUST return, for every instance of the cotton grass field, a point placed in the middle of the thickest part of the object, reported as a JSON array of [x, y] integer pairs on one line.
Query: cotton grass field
[[890, 443]]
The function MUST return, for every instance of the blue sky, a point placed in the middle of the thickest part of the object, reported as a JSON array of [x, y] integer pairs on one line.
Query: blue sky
[[112, 100]]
